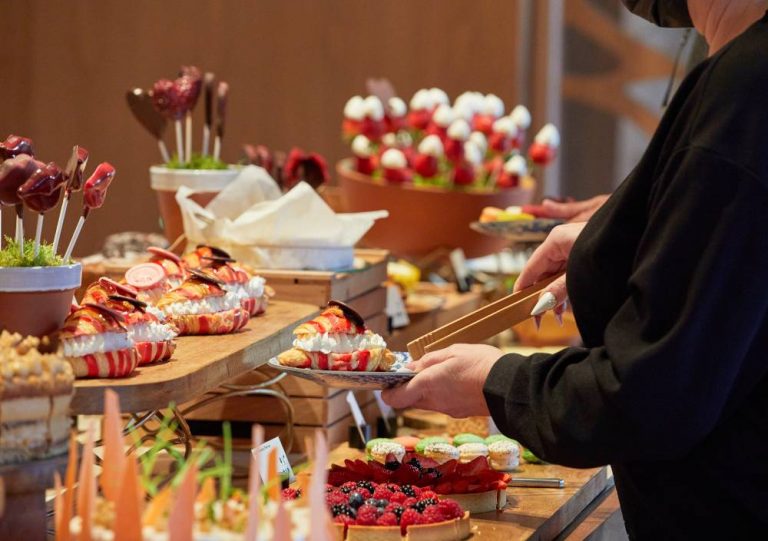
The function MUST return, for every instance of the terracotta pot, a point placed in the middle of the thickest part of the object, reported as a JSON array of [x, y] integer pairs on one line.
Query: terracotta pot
[[206, 183], [422, 220], [36, 300]]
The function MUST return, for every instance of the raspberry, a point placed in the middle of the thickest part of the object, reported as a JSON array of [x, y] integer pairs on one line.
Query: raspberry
[[336, 498], [289, 494], [410, 516], [450, 508], [346, 488], [343, 519], [428, 495], [409, 502], [387, 519], [342, 509], [382, 493], [392, 487], [434, 514], [367, 515], [398, 497]]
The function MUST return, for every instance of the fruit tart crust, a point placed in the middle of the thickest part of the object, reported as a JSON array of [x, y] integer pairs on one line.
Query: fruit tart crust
[[450, 530]]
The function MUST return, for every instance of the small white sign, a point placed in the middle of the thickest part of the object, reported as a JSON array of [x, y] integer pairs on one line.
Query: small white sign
[[386, 411], [357, 414], [396, 308], [283, 466]]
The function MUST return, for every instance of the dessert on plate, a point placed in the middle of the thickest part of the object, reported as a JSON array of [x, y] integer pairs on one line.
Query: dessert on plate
[[338, 340], [96, 343], [155, 278], [201, 305], [35, 393]]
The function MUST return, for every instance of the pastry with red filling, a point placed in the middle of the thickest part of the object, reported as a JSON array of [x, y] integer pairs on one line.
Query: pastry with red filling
[[96, 343], [201, 305], [338, 339]]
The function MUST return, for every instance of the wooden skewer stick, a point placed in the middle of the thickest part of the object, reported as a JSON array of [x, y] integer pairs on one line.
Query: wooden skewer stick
[[179, 140], [76, 234], [60, 224], [38, 233], [20, 228], [188, 135], [163, 151]]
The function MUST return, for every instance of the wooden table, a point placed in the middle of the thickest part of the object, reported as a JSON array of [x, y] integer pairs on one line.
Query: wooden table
[[199, 364], [531, 513]]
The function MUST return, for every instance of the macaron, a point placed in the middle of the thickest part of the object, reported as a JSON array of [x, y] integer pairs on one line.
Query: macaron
[[497, 437], [374, 441], [470, 451], [529, 457], [441, 452], [461, 439], [409, 442], [426, 441], [380, 451], [504, 455]]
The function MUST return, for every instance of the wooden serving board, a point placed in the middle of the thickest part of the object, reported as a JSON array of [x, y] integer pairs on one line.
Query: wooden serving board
[[200, 364]]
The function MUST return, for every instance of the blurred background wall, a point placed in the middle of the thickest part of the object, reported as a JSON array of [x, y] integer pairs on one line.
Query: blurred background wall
[[291, 66]]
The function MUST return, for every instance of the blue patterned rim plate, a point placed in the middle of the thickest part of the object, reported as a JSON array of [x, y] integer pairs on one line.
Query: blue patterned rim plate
[[353, 380], [527, 229]]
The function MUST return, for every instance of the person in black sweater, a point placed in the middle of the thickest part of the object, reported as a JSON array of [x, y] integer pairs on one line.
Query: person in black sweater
[[669, 285]]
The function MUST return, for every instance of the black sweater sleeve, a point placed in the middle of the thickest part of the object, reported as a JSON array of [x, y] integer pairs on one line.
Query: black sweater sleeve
[[673, 358]]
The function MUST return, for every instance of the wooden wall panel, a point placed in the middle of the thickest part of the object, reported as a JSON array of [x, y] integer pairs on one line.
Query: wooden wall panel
[[291, 65]]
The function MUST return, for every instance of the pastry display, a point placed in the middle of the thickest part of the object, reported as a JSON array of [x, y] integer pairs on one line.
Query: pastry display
[[35, 393], [470, 143], [153, 279], [96, 343], [337, 339], [238, 279], [152, 337], [171, 263], [201, 305]]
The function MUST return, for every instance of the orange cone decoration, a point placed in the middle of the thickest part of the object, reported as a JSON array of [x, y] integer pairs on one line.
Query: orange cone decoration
[[128, 503], [114, 452], [86, 489], [254, 484], [182, 518]]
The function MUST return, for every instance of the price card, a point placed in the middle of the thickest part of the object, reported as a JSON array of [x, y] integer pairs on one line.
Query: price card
[[283, 466], [396, 308], [459, 264], [357, 414]]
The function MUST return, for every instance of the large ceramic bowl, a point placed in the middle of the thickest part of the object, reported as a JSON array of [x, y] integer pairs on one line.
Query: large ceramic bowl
[[206, 183], [36, 300], [423, 220]]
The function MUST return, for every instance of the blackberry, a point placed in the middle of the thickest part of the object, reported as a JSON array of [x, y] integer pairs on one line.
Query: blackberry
[[342, 509], [408, 491], [329, 489], [367, 485], [346, 490], [423, 504], [355, 500], [392, 465], [433, 471], [415, 463], [398, 511]]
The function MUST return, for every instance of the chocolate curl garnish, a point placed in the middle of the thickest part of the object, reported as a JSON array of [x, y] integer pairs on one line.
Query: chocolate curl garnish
[[164, 254], [117, 288], [218, 252], [94, 194], [135, 303], [167, 102], [74, 173], [189, 85], [14, 145], [107, 313], [310, 168], [222, 93], [205, 278], [349, 312], [217, 261], [208, 82], [141, 105], [13, 173], [259, 155], [41, 193]]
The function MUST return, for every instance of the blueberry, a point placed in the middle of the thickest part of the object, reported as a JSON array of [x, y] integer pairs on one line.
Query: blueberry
[[382, 503], [355, 500]]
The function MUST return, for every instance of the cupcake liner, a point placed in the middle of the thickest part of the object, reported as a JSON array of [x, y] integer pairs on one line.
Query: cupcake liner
[[219, 323], [112, 364]]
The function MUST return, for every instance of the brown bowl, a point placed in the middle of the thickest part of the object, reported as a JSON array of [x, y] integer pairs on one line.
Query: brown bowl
[[35, 301], [422, 219]]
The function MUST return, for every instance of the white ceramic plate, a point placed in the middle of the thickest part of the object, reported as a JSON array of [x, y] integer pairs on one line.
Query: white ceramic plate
[[353, 380]]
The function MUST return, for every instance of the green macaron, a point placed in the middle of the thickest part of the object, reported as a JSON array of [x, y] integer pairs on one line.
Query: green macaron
[[371, 443], [461, 439], [529, 457], [431, 439], [497, 437]]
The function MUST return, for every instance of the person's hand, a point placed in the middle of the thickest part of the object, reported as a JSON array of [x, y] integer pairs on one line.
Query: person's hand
[[449, 381], [548, 259], [574, 211]]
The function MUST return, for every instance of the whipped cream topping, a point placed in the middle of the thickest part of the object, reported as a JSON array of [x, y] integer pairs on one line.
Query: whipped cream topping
[[438, 96], [521, 116], [470, 103], [253, 289], [96, 343], [480, 140], [404, 139], [389, 139], [397, 107], [506, 126], [209, 305], [443, 115], [151, 332], [548, 135], [421, 100], [516, 165], [374, 108], [431, 145], [155, 311], [472, 153], [339, 343], [355, 108], [492, 105], [361, 146], [459, 130], [393, 159]]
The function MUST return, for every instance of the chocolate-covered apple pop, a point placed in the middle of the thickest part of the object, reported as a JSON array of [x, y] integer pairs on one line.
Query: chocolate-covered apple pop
[[140, 104], [189, 84], [222, 93], [165, 98], [74, 175], [41, 193], [208, 82], [94, 193], [13, 173], [15, 145]]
